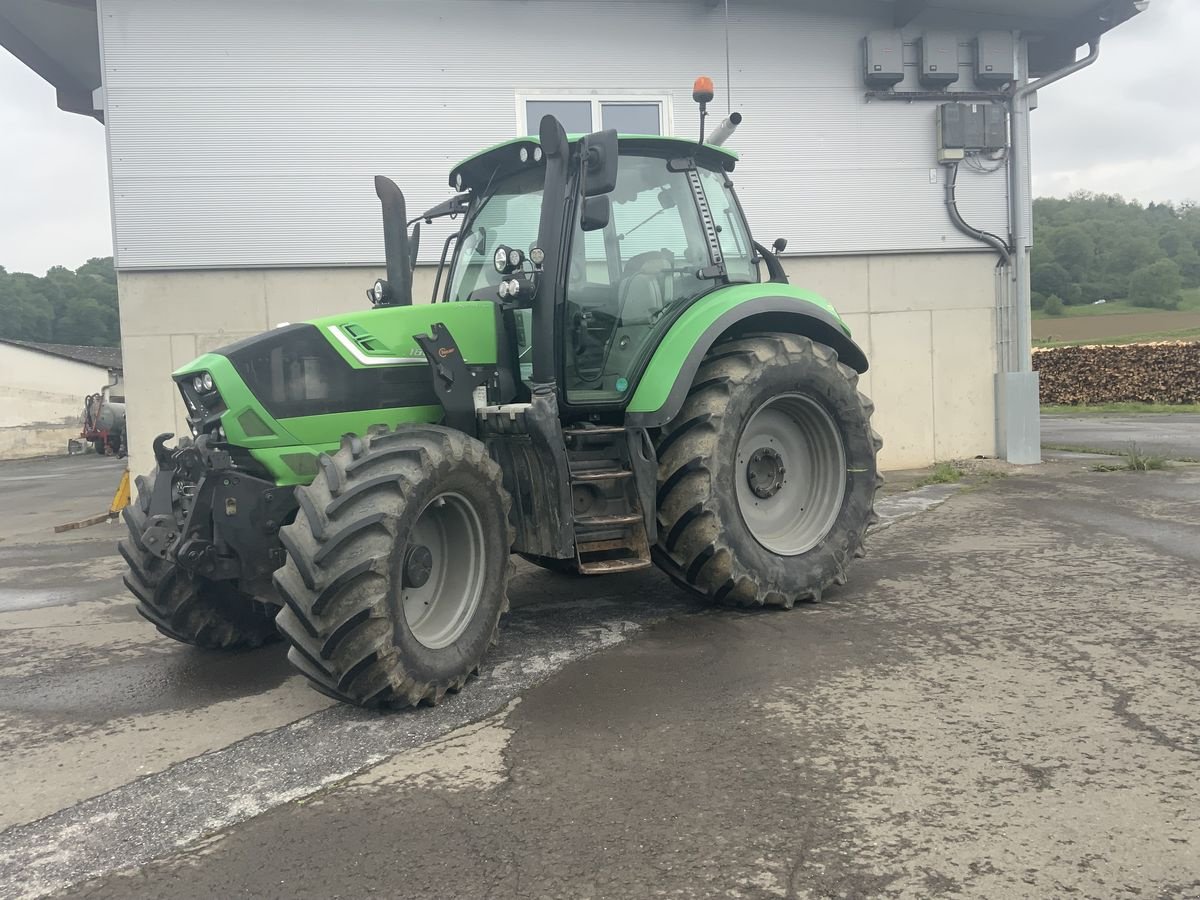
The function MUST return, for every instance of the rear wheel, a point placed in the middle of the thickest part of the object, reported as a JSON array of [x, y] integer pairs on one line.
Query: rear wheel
[[767, 476], [191, 609], [397, 567]]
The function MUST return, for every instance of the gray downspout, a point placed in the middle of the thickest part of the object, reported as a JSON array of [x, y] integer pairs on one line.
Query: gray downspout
[[1017, 389], [1019, 172]]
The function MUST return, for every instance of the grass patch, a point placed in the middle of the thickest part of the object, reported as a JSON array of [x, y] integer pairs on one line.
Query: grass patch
[[1136, 461], [943, 473], [1132, 408], [1189, 300]]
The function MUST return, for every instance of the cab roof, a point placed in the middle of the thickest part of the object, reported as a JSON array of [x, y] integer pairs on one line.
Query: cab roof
[[482, 166]]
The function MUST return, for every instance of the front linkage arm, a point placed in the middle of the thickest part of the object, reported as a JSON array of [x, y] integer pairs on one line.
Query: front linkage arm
[[202, 506]]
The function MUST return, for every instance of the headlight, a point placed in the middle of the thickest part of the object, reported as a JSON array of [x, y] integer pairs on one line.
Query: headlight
[[207, 380], [198, 384], [379, 291], [503, 289], [515, 258], [500, 260], [537, 256], [220, 433]]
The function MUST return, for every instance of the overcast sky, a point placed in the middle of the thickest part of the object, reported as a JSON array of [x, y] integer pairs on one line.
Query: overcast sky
[[1128, 125]]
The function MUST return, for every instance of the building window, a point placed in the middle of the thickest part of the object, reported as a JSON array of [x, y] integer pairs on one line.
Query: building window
[[628, 114]]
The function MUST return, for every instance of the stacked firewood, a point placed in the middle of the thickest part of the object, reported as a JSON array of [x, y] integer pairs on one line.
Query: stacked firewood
[[1126, 373]]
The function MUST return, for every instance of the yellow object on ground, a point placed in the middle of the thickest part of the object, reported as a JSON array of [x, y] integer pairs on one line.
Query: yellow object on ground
[[121, 498]]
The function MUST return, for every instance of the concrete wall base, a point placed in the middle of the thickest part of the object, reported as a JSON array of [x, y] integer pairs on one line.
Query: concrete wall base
[[926, 322], [26, 441]]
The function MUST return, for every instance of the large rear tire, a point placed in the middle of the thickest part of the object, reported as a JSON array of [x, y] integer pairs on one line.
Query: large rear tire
[[397, 567], [767, 476], [214, 615]]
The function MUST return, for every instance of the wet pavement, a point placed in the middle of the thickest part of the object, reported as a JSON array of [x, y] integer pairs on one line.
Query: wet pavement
[[1001, 703], [1174, 436]]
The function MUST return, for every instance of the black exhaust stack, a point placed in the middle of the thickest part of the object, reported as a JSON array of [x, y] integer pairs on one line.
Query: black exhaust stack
[[395, 243]]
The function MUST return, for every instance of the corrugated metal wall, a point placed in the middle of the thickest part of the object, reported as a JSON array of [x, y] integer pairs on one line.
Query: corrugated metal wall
[[245, 132]]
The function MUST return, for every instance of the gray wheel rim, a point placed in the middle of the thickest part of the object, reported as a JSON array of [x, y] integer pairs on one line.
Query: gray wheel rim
[[439, 611], [792, 452]]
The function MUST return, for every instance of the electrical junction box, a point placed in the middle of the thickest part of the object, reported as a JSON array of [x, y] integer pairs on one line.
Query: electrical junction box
[[939, 59], [994, 52], [964, 127], [883, 55]]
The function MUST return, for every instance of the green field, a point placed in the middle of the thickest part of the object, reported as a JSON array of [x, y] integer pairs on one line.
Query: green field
[[1189, 302], [1121, 408], [1119, 322]]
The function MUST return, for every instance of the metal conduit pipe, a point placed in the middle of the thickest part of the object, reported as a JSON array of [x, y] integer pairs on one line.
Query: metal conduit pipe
[[1019, 174]]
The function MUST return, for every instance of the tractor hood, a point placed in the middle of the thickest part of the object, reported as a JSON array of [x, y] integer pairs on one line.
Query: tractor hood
[[278, 396]]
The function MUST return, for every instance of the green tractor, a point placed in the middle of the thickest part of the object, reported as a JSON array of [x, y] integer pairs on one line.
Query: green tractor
[[612, 374]]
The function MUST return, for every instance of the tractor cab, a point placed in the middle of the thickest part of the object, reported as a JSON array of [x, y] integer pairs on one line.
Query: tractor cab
[[671, 231]]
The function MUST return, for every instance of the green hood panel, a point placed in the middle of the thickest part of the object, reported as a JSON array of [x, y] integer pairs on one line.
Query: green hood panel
[[371, 343]]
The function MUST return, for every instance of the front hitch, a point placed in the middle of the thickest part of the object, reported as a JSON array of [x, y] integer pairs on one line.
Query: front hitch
[[210, 517]]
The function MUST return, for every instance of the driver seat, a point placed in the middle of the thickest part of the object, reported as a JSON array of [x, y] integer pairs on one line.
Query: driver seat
[[646, 289]]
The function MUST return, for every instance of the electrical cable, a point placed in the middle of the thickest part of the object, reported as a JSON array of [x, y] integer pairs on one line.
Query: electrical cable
[[996, 243]]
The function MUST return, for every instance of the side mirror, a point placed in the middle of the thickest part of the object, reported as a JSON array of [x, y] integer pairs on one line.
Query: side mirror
[[414, 246], [779, 246], [596, 213], [600, 163]]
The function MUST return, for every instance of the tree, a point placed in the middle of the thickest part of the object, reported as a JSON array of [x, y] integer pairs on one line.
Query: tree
[[1054, 306], [62, 306], [1156, 285], [1074, 250], [1051, 279]]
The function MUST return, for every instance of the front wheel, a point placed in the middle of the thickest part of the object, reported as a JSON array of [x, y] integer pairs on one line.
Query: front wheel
[[397, 567], [767, 476], [192, 609]]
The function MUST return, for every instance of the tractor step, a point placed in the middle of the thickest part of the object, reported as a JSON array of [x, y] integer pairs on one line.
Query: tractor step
[[613, 566], [610, 527], [601, 475], [598, 431], [596, 522]]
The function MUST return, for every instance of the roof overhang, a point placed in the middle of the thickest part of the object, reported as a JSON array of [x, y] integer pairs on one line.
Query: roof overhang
[[1056, 28], [58, 39]]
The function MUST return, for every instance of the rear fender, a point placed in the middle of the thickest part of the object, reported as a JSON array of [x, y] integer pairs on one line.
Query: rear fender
[[727, 313]]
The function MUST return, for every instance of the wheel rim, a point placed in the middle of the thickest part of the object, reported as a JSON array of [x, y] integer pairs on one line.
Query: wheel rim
[[443, 571], [791, 474]]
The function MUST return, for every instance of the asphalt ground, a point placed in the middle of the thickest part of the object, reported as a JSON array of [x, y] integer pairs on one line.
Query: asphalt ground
[[1174, 436], [1002, 702]]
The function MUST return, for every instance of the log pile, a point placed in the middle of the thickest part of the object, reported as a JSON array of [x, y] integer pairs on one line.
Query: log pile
[[1126, 373]]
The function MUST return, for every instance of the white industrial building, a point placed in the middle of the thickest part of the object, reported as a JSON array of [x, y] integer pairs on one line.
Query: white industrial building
[[42, 392], [243, 137]]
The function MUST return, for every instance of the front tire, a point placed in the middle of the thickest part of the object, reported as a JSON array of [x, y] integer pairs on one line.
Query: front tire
[[767, 476], [397, 567], [191, 609]]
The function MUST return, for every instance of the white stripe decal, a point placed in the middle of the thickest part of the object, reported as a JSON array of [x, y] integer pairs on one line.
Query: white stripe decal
[[357, 353]]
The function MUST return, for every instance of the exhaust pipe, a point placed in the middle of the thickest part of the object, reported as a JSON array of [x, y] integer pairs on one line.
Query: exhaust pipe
[[395, 243], [725, 130]]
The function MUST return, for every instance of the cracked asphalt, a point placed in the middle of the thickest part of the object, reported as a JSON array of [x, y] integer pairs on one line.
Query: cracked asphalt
[[1001, 703]]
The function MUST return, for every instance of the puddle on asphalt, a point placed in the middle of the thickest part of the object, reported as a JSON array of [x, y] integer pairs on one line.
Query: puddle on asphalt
[[182, 678], [18, 599]]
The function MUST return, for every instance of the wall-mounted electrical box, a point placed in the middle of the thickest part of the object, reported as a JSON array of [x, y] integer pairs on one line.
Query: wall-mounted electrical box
[[883, 55], [939, 59], [963, 127], [994, 59]]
